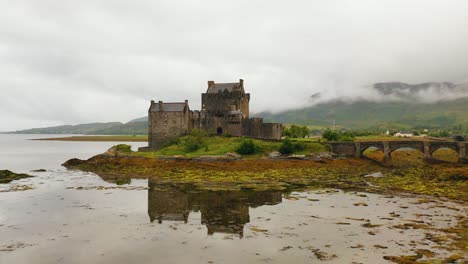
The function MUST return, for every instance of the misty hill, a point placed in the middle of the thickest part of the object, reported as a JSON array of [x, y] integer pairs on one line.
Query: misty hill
[[358, 115], [140, 119], [398, 105], [112, 128], [69, 129], [401, 106], [401, 89], [366, 114]]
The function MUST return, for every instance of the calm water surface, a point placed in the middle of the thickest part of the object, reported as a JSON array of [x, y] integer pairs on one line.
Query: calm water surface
[[76, 217]]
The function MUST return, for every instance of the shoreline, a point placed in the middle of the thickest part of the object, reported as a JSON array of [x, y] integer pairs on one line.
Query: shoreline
[[439, 180], [110, 138]]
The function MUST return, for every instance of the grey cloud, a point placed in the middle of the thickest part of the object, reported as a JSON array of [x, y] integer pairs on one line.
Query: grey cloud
[[67, 62]]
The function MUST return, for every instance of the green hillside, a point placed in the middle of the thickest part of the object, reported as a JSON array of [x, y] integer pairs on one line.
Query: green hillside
[[69, 129], [111, 128], [366, 114], [355, 115], [131, 128]]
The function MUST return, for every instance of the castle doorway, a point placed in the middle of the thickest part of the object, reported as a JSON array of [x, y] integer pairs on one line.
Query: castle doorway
[[219, 131]]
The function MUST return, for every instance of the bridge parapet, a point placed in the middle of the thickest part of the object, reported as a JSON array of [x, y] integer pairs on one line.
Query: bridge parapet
[[356, 149]]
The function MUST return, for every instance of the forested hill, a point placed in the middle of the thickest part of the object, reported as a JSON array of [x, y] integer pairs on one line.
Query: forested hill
[[367, 114]]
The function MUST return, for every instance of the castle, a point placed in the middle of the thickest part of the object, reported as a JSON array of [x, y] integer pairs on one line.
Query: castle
[[225, 111]]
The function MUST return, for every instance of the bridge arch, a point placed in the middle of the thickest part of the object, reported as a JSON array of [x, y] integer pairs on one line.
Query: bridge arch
[[376, 147], [446, 154], [373, 152], [433, 149], [406, 149], [398, 145], [363, 146]]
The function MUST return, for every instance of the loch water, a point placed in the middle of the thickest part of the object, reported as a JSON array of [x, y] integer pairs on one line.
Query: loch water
[[69, 216]]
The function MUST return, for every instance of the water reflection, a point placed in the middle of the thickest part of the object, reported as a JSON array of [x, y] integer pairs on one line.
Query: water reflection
[[221, 211]]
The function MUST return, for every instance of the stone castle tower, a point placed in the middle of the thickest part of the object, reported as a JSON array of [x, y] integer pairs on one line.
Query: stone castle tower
[[225, 111]]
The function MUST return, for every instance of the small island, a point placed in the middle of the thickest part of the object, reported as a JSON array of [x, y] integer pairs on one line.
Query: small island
[[222, 149]]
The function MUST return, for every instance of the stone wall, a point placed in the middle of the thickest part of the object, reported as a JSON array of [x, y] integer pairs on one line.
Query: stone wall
[[346, 149], [356, 149], [165, 126], [255, 128], [220, 104], [271, 131]]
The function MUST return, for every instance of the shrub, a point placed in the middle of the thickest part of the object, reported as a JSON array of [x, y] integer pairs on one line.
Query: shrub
[[123, 148], [192, 144], [334, 136], [287, 146], [330, 135], [247, 146], [173, 141], [194, 141], [300, 146], [346, 138]]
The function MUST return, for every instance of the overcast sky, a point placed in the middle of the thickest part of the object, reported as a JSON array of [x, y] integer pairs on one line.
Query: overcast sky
[[70, 62]]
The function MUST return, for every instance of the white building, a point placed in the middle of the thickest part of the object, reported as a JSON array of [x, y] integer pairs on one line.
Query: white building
[[405, 134]]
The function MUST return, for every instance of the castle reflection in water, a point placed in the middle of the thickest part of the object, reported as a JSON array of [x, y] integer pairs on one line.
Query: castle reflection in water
[[221, 211]]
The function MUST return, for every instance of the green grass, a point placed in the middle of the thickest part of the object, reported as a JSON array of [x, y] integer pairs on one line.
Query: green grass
[[215, 145]]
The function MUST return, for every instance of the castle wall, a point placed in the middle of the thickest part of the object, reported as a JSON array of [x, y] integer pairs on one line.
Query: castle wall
[[255, 128], [220, 104], [211, 124], [165, 126], [271, 131]]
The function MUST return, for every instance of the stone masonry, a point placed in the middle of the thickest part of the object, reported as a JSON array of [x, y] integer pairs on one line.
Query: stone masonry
[[356, 149], [225, 111]]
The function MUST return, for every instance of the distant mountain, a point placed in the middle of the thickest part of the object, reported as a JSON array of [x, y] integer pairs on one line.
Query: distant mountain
[[130, 128], [365, 114], [111, 128], [426, 105], [69, 129], [141, 119], [401, 89], [401, 105]]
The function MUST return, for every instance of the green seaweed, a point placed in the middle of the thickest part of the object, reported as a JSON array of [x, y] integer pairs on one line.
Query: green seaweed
[[7, 176]]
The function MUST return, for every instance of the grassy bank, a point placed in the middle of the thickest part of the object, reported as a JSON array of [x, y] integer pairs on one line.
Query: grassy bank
[[100, 138], [192, 146]]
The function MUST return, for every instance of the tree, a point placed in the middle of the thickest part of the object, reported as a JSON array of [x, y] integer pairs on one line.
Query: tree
[[296, 131], [330, 135]]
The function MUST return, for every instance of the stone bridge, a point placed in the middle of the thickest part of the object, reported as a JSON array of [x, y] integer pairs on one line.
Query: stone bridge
[[356, 149]]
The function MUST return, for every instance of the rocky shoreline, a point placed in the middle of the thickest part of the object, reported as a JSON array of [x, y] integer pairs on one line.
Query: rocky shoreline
[[322, 170]]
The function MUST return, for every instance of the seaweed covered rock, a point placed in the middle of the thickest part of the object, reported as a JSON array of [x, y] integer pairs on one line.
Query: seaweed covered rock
[[7, 176], [118, 150], [73, 163]]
